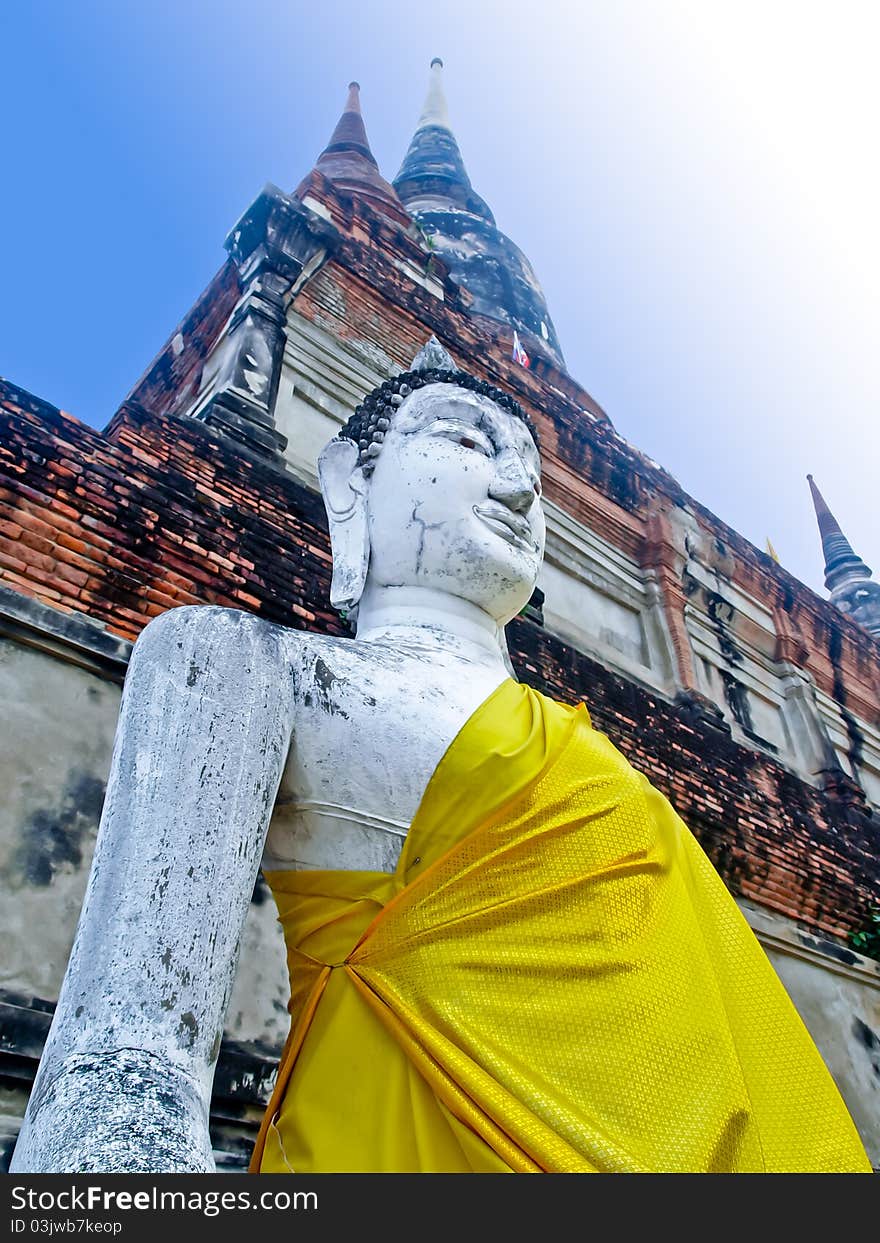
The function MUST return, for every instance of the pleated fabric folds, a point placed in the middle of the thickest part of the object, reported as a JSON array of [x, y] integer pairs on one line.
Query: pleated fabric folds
[[555, 979]]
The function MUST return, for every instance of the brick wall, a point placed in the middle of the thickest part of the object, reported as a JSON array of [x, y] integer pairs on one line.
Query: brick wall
[[158, 513]]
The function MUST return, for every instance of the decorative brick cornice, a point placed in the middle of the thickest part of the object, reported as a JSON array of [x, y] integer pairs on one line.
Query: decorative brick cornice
[[278, 234]]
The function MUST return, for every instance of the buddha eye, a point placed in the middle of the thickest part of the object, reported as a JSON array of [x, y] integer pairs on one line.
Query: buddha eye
[[468, 442], [463, 436]]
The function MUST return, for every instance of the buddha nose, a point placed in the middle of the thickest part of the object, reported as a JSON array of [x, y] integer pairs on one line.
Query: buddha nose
[[513, 486]]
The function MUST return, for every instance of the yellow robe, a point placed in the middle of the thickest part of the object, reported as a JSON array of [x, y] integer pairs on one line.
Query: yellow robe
[[554, 979]]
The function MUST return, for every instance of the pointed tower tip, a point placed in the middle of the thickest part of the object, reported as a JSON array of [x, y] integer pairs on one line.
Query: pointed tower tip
[[434, 110], [842, 565], [348, 161], [350, 134], [432, 166], [823, 513], [353, 103]]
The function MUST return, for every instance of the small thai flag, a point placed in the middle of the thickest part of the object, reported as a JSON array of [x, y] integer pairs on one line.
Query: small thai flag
[[519, 355]]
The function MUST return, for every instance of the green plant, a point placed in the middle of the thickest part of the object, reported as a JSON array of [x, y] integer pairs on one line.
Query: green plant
[[867, 939], [427, 238]]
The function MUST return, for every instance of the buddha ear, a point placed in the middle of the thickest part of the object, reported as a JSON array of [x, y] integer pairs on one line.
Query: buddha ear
[[344, 489]]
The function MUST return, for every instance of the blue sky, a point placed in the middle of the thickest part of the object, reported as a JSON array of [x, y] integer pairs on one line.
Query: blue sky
[[694, 181]]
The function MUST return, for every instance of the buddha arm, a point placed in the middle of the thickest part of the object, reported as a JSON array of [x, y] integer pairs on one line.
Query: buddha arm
[[125, 1079]]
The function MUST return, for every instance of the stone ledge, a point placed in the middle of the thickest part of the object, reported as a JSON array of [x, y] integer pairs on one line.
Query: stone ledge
[[784, 937], [73, 637]]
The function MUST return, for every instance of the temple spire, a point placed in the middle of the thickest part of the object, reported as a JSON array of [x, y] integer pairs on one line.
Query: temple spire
[[433, 171], [349, 163], [839, 556], [350, 133], [435, 111], [847, 577], [436, 190]]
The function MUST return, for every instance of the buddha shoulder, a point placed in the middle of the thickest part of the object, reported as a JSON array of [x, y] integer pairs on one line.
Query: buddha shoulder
[[330, 675], [194, 638]]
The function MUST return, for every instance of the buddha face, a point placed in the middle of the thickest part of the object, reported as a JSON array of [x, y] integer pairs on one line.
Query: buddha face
[[453, 501]]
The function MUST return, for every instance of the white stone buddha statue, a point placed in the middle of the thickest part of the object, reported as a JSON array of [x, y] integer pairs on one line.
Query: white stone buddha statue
[[238, 740], [506, 950]]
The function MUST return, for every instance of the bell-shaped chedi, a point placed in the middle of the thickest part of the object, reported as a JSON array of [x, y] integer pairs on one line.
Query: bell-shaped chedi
[[435, 188], [847, 577], [349, 163]]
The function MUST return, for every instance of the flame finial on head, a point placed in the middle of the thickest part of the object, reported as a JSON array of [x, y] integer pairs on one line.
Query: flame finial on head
[[433, 357]]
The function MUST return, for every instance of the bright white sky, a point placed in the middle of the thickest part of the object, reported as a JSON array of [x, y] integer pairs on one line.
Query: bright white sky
[[695, 183]]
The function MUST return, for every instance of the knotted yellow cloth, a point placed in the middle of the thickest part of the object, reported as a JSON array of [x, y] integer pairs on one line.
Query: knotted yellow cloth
[[554, 979]]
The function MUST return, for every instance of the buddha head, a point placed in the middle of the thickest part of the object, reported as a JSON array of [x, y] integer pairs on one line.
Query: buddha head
[[435, 482]]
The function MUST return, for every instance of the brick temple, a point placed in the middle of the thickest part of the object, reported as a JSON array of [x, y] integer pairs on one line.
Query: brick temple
[[749, 700]]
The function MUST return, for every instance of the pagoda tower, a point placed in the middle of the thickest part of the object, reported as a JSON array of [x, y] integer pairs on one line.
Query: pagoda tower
[[349, 163], [847, 577], [434, 186]]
